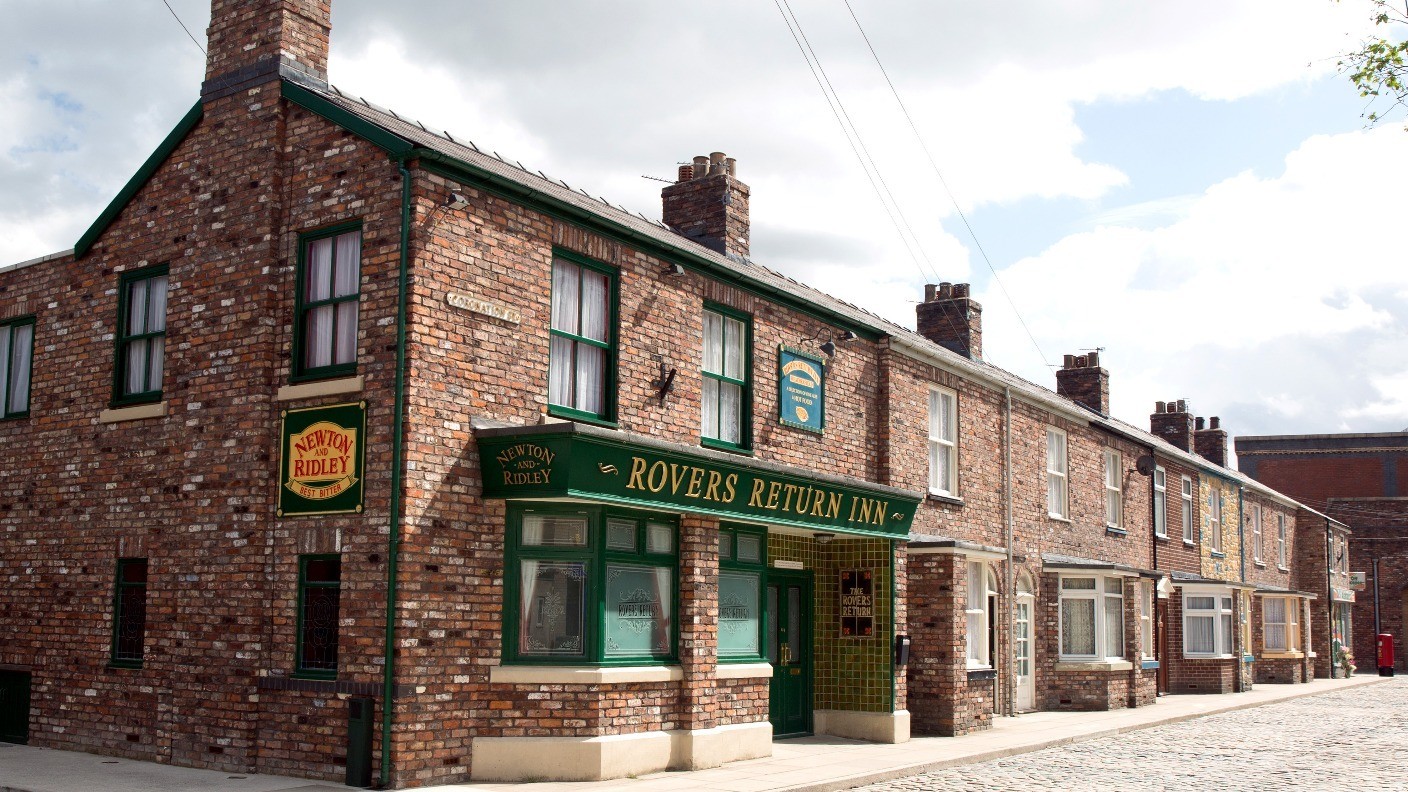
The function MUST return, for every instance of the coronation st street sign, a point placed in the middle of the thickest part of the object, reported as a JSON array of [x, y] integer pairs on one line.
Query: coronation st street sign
[[541, 465]]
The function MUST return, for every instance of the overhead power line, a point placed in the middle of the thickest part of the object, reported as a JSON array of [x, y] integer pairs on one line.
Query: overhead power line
[[183, 26], [937, 172]]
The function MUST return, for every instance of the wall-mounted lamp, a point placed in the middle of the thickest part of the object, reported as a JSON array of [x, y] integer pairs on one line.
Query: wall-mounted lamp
[[456, 201], [672, 270], [829, 346], [824, 538]]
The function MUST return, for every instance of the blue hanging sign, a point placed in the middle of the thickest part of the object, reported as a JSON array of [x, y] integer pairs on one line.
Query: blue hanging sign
[[801, 390]]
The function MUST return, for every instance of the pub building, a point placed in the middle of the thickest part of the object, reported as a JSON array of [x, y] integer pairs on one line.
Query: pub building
[[340, 448]]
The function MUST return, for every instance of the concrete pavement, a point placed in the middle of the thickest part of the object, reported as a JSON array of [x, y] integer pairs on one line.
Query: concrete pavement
[[812, 764]]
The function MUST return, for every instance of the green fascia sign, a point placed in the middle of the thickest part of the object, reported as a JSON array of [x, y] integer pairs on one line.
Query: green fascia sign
[[571, 464]]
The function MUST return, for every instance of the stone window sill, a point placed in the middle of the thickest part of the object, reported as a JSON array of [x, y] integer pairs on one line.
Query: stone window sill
[[134, 413], [1187, 656], [312, 390], [1094, 665], [944, 497], [744, 671], [1291, 655], [583, 675]]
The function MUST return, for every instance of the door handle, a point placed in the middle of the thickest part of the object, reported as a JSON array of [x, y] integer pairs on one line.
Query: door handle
[[786, 654]]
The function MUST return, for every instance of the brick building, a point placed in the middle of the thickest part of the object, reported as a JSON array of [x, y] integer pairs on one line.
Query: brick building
[[337, 447], [1361, 480]]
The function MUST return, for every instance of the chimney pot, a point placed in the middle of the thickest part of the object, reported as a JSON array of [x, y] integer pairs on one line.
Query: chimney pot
[[1214, 422], [945, 290], [1084, 383], [686, 173], [950, 318], [1182, 405], [712, 212], [1198, 424], [1092, 359], [931, 290], [732, 165], [716, 163], [960, 290], [1158, 406], [1069, 361], [701, 166]]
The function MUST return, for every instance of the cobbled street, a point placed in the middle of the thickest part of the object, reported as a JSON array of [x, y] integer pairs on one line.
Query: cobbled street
[[1354, 739]]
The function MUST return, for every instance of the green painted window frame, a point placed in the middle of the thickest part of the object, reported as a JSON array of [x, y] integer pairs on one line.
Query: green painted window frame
[[122, 340], [120, 614], [607, 417], [745, 398], [300, 671], [298, 371], [595, 555], [729, 562], [7, 375]]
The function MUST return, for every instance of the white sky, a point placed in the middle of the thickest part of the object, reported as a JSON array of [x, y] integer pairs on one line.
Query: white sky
[[1186, 185]]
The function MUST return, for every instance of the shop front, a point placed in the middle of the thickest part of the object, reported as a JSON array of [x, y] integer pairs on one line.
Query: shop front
[[679, 608]]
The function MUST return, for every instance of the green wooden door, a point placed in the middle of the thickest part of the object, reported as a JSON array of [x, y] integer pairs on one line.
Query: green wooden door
[[14, 706], [789, 625]]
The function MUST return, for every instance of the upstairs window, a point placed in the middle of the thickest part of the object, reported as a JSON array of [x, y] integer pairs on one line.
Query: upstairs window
[[943, 442], [1215, 519], [1114, 494], [1258, 551], [1160, 502], [582, 360], [727, 387], [1057, 502], [16, 355], [141, 336], [1186, 512], [1281, 541], [329, 283]]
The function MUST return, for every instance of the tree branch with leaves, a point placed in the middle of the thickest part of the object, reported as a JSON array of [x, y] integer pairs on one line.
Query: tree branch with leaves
[[1378, 67]]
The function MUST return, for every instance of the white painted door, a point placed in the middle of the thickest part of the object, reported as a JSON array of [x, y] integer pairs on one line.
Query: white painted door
[[1026, 684]]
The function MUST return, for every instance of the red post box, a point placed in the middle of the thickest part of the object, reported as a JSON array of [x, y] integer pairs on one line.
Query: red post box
[[1385, 655]]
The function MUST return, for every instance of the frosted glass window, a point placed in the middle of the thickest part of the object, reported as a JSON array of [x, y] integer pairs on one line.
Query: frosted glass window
[[639, 610], [739, 613], [553, 608]]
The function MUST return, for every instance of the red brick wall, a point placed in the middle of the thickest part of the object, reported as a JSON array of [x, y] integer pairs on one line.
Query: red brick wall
[[1313, 480], [1380, 532]]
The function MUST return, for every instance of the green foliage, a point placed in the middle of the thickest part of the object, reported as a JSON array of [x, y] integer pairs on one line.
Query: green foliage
[[1377, 68]]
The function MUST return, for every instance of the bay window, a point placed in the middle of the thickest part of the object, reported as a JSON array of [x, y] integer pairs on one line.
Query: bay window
[[1281, 624], [1092, 618], [582, 357], [1207, 624], [589, 585]]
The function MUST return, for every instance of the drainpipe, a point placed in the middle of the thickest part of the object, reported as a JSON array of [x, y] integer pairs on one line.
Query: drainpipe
[[1009, 689], [1241, 528], [393, 541], [1329, 598]]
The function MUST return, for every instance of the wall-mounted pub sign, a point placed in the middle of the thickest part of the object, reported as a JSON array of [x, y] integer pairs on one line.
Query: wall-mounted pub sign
[[322, 452], [801, 390], [857, 603]]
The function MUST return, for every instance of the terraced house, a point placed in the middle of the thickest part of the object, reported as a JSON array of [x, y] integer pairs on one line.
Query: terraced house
[[339, 448]]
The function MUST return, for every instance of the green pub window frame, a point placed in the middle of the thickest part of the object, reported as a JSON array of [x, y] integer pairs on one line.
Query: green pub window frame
[[588, 585], [129, 613], [577, 340], [724, 375], [140, 362], [332, 298], [743, 566], [319, 590], [16, 366]]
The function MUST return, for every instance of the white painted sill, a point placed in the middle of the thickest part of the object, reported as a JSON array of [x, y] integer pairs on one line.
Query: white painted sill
[[312, 390], [134, 413], [583, 675], [1094, 665], [1291, 655], [744, 671]]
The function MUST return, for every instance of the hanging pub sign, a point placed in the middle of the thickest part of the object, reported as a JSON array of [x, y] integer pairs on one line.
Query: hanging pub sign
[[322, 451], [801, 390], [857, 603]]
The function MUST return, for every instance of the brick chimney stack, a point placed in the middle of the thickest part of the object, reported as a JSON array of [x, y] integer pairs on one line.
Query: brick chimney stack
[[1082, 380], [1211, 443], [710, 205], [951, 319], [253, 41], [1172, 423]]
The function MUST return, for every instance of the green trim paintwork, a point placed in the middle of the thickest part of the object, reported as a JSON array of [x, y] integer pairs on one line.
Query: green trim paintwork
[[394, 145], [119, 338], [594, 556], [393, 538], [138, 180], [450, 167], [297, 372], [730, 563], [746, 399], [299, 672], [118, 585], [568, 465]]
